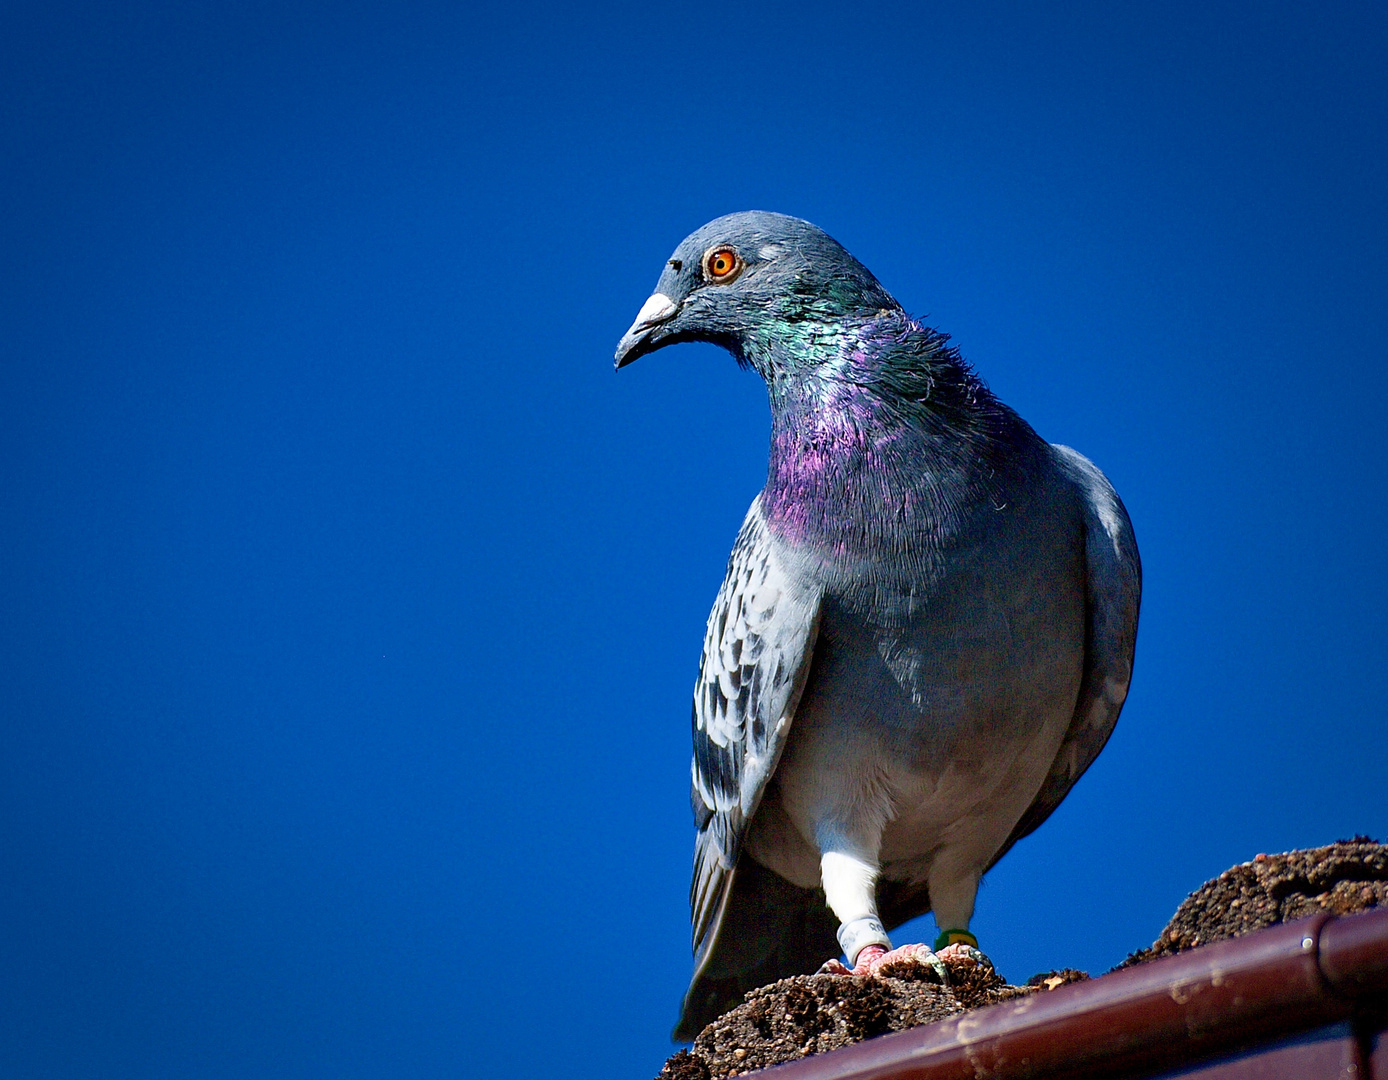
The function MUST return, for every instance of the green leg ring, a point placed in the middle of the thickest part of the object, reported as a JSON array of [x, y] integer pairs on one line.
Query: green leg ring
[[955, 937]]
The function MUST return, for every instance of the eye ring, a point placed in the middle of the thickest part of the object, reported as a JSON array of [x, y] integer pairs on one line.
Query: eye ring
[[722, 264]]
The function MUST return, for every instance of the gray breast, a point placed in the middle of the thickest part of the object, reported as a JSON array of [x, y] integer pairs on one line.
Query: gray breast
[[991, 647]]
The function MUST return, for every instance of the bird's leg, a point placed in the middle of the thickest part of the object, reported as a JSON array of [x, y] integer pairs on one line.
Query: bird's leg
[[952, 894], [850, 886]]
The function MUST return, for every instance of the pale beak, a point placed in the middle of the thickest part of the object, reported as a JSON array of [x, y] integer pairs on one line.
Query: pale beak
[[657, 309]]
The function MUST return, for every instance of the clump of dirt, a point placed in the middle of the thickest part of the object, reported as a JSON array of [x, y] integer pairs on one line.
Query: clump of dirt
[[685, 1066], [809, 1014], [1341, 878], [1049, 980]]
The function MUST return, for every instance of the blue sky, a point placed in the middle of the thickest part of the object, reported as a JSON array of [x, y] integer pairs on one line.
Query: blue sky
[[351, 603]]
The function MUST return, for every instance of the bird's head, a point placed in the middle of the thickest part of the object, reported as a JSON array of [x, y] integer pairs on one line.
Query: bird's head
[[750, 277]]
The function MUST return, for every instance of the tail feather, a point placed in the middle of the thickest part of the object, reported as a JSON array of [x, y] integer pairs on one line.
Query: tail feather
[[708, 894], [769, 929]]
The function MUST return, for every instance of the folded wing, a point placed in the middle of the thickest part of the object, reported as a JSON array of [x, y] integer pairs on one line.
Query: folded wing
[[1113, 591], [757, 652]]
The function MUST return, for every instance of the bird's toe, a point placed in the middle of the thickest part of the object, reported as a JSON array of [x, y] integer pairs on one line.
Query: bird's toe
[[963, 954], [909, 960]]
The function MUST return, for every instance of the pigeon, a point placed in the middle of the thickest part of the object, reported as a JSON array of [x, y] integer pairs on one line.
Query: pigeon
[[923, 639]]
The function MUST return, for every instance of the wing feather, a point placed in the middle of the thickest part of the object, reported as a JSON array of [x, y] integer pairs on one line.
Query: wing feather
[[756, 658], [1113, 593]]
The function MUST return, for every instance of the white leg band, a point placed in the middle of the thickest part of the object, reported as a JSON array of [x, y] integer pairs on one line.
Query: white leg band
[[855, 936]]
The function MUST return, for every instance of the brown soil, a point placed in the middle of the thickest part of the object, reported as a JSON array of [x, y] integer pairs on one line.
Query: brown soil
[[1348, 876], [809, 1014]]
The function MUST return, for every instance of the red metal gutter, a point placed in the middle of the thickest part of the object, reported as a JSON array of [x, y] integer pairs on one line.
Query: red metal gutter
[[1170, 1013]]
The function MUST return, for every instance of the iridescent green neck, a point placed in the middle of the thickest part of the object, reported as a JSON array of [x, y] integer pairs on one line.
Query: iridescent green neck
[[778, 349], [878, 429]]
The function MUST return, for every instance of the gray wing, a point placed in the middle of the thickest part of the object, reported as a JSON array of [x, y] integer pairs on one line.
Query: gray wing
[[1113, 589], [757, 650]]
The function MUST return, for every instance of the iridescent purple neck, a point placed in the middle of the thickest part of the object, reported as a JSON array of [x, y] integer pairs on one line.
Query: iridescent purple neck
[[880, 434]]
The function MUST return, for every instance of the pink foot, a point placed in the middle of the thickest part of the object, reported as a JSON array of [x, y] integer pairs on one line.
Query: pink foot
[[962, 954], [875, 960]]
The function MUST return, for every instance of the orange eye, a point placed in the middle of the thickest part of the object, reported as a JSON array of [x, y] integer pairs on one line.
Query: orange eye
[[721, 265]]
